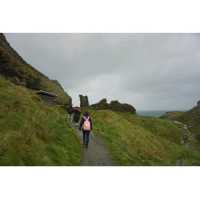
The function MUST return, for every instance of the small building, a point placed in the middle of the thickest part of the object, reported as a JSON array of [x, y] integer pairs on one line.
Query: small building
[[47, 97]]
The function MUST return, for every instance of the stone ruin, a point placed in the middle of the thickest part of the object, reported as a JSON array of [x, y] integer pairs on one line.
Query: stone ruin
[[83, 101], [114, 105], [48, 97], [103, 105]]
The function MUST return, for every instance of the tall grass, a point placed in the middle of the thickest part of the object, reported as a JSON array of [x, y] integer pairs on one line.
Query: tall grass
[[32, 133], [134, 140]]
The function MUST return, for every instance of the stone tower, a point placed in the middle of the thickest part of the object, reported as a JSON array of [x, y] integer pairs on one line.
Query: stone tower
[[83, 101]]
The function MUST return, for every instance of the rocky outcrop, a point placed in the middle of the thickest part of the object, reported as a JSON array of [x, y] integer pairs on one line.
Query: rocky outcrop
[[101, 105], [121, 107], [192, 119], [114, 105], [172, 115], [5, 45], [83, 101]]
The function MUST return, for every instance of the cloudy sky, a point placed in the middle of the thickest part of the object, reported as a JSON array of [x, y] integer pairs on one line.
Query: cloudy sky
[[149, 71]]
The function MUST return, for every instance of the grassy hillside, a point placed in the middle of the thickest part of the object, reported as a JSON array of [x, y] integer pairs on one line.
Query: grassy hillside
[[192, 119], [134, 140], [33, 133], [172, 115], [14, 68]]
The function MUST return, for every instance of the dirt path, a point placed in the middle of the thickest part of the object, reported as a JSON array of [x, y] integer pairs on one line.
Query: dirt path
[[185, 140], [96, 154]]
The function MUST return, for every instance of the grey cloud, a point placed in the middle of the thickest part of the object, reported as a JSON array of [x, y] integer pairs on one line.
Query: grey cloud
[[150, 71]]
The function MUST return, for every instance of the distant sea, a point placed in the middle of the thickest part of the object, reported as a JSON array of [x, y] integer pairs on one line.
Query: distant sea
[[152, 113]]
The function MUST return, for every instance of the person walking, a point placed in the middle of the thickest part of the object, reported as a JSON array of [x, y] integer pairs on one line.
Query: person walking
[[86, 127]]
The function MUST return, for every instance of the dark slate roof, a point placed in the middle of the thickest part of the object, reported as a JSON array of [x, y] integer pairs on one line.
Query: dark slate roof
[[42, 92]]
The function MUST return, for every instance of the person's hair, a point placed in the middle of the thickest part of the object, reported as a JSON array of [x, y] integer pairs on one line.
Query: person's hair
[[86, 114]]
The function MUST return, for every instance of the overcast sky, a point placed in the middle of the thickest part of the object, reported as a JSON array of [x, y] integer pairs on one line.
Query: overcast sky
[[149, 71]]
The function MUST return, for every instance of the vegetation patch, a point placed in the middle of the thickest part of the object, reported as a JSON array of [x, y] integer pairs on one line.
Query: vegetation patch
[[134, 140], [33, 133], [172, 115]]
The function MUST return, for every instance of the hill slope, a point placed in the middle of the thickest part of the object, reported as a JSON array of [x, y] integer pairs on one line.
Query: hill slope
[[134, 140], [173, 115], [190, 118], [14, 68], [33, 133]]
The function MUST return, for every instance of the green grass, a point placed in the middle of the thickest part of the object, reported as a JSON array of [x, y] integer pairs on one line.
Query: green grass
[[33, 133], [134, 140], [172, 115], [158, 127], [192, 119]]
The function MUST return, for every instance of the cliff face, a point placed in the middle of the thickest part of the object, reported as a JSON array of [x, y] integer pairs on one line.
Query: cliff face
[[17, 70]]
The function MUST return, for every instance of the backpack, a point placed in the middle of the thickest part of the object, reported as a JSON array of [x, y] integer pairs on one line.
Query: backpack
[[86, 124]]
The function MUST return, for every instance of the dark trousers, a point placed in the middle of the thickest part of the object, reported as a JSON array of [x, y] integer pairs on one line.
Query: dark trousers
[[86, 137]]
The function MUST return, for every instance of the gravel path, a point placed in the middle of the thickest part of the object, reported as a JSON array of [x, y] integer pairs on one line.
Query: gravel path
[[96, 154]]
